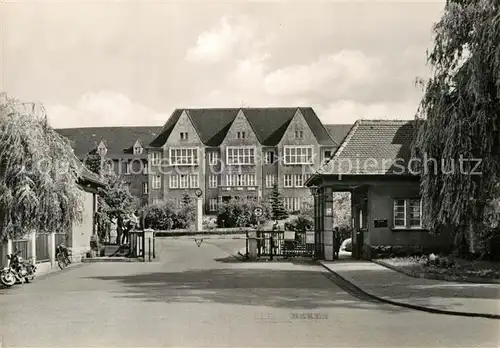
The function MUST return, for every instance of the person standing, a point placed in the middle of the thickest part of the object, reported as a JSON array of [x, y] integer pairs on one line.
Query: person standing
[[120, 226], [337, 241]]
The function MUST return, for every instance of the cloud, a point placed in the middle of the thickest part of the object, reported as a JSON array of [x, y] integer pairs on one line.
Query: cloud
[[348, 111], [223, 41], [105, 108], [341, 71]]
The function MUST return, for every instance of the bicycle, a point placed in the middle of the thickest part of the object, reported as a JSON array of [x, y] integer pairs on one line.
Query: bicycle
[[63, 256]]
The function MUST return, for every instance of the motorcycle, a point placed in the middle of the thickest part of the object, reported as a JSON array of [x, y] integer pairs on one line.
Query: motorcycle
[[18, 270]]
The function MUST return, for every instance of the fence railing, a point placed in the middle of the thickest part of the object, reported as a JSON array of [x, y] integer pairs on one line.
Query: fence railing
[[42, 247], [22, 245], [61, 238], [279, 243], [141, 246]]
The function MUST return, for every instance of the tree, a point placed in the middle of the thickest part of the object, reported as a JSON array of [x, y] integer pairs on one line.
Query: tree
[[459, 122], [240, 213], [113, 200], [342, 209], [278, 209], [38, 173]]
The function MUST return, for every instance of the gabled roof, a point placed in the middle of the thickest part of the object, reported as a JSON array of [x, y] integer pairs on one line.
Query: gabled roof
[[118, 140], [373, 147], [269, 124], [338, 132]]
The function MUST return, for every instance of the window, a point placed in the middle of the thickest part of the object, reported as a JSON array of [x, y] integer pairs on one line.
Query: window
[[213, 158], [184, 136], [298, 155], [183, 181], [128, 165], [183, 156], [240, 179], [408, 213], [288, 180], [291, 203], [240, 155], [415, 213], [145, 169], [137, 150], [269, 159], [213, 204], [327, 155], [306, 177], [193, 181], [250, 180], [299, 134], [156, 182], [174, 181], [145, 188], [299, 180], [155, 158], [156, 200], [270, 180], [399, 213], [212, 181], [240, 135]]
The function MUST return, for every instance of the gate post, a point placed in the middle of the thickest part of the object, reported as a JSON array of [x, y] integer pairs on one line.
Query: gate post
[[148, 234], [271, 246]]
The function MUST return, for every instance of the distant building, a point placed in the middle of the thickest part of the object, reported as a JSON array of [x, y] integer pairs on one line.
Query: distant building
[[240, 152], [124, 146]]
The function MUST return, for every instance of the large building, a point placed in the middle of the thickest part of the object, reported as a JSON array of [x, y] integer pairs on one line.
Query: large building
[[124, 147], [240, 152]]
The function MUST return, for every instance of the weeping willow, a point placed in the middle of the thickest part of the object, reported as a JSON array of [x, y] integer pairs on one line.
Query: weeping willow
[[460, 121], [38, 173]]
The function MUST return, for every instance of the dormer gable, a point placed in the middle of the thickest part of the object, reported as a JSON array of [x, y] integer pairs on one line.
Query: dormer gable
[[137, 148], [102, 149], [240, 132]]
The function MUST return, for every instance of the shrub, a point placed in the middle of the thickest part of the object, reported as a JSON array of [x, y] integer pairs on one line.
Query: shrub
[[239, 213], [166, 216], [301, 223]]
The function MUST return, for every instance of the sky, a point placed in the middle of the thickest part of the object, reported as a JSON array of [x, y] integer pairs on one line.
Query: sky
[[119, 63]]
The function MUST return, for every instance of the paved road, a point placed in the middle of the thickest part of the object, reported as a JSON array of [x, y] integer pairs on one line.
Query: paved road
[[190, 299]]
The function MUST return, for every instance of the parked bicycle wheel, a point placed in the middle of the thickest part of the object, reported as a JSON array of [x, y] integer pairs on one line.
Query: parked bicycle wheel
[[61, 262]]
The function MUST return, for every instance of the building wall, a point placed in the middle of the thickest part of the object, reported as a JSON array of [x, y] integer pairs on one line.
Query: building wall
[[183, 125], [240, 124], [381, 198], [298, 123], [81, 232]]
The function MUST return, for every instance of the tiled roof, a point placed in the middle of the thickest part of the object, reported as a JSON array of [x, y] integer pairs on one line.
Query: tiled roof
[[269, 124], [338, 131], [118, 140], [373, 147], [87, 175]]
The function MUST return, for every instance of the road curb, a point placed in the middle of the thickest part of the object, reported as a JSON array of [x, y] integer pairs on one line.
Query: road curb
[[110, 259], [206, 233], [412, 306], [473, 280]]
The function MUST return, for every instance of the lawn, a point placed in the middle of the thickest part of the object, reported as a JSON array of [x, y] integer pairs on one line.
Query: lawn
[[447, 266]]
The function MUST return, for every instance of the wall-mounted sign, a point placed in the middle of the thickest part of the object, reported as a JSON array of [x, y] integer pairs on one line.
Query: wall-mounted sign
[[379, 223]]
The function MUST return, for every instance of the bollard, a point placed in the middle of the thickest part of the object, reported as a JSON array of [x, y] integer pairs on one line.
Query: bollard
[[149, 249], [154, 243]]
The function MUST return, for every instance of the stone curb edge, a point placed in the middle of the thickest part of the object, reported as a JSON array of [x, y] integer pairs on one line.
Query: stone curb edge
[[207, 233], [111, 259], [411, 306], [474, 280]]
